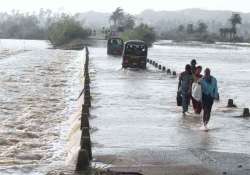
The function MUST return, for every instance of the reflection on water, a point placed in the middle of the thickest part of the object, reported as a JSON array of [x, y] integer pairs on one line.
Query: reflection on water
[[37, 92]]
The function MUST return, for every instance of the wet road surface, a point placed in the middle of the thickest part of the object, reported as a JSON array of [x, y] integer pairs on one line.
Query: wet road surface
[[135, 110], [135, 122]]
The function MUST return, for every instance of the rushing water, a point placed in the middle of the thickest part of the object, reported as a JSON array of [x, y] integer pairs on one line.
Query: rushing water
[[38, 89], [132, 109]]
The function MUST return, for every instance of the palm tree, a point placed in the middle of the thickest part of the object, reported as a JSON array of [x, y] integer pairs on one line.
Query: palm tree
[[129, 21], [117, 16], [222, 32], [190, 28], [202, 27], [235, 19], [181, 28], [227, 32]]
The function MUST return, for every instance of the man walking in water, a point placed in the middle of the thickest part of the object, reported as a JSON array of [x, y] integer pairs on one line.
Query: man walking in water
[[184, 86], [209, 93]]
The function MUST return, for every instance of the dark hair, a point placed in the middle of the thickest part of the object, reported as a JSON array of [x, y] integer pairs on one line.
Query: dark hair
[[188, 67], [207, 70], [199, 67], [193, 61]]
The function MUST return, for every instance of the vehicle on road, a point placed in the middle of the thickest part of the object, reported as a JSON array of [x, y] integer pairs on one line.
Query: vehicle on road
[[115, 46], [135, 54]]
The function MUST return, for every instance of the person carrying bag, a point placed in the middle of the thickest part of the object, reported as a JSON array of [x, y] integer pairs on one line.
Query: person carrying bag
[[196, 94]]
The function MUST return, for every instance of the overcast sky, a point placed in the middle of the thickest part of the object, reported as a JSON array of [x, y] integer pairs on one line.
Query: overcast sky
[[131, 6]]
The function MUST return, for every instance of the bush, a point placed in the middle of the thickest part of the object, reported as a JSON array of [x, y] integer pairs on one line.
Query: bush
[[142, 32], [65, 30]]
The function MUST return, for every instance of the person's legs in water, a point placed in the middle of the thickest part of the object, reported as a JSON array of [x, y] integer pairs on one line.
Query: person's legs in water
[[207, 103], [184, 103], [198, 107], [189, 99], [205, 114], [205, 109], [209, 108], [194, 104]]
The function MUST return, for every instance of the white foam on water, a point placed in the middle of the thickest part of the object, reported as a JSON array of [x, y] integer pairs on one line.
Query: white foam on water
[[74, 137], [38, 89]]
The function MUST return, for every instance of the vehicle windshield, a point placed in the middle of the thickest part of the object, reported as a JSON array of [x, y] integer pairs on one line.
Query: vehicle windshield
[[136, 49], [116, 42]]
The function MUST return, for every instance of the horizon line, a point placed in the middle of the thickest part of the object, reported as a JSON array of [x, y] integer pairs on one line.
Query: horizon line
[[146, 9]]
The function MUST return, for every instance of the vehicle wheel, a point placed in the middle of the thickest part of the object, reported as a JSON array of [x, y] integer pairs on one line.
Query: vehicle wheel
[[108, 52]]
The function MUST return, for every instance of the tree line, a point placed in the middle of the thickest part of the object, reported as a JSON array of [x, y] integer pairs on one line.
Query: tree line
[[24, 25], [124, 25], [59, 28], [199, 32], [231, 33]]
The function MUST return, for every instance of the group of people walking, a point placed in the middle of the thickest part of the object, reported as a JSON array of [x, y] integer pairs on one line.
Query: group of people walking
[[200, 89]]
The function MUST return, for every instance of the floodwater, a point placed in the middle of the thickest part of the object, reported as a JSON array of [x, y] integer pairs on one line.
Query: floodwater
[[136, 109], [38, 89], [132, 109]]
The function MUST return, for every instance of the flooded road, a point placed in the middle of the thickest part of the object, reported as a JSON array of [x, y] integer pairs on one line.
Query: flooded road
[[133, 111], [38, 88], [136, 110]]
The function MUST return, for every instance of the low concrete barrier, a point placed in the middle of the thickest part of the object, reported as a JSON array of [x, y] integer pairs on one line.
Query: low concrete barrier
[[83, 161], [85, 153], [230, 103], [159, 67], [246, 112], [168, 71], [86, 145]]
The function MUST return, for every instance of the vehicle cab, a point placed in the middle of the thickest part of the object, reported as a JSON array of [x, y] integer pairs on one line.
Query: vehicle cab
[[115, 46], [135, 54]]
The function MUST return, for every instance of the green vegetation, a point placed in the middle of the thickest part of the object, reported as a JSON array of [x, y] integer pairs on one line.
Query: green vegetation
[[199, 32], [121, 20], [65, 30], [123, 25], [190, 32], [24, 25], [46, 24], [117, 16], [142, 32], [59, 28], [230, 34]]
